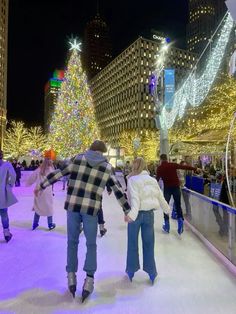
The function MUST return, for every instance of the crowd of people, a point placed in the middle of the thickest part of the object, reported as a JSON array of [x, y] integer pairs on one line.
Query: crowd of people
[[87, 176]]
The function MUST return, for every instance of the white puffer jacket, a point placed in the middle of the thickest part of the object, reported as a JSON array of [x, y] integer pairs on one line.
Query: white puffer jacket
[[144, 193]]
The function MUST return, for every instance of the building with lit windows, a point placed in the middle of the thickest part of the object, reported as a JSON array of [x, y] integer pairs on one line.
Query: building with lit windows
[[3, 66], [204, 16], [51, 90], [97, 50], [121, 90]]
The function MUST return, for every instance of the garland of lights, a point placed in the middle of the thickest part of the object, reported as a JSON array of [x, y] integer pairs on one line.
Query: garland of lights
[[195, 90]]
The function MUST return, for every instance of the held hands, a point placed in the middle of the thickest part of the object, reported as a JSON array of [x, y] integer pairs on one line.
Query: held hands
[[127, 219], [37, 191]]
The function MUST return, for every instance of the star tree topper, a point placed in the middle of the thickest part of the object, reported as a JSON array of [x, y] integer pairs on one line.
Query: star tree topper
[[75, 45]]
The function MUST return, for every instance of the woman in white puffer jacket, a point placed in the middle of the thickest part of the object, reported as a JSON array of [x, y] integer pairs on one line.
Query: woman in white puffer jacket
[[145, 196]]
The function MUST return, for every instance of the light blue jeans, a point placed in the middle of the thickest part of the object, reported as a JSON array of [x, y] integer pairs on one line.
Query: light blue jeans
[[145, 222], [4, 218], [90, 231]]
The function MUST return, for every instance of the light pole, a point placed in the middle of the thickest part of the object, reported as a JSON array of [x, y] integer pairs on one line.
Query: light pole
[[158, 95]]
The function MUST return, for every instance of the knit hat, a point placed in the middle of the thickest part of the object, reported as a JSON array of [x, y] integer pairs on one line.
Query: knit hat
[[50, 154], [98, 146]]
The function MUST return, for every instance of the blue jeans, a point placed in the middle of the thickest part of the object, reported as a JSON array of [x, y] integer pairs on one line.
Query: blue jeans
[[4, 218], [90, 231], [175, 192], [36, 219], [145, 222]]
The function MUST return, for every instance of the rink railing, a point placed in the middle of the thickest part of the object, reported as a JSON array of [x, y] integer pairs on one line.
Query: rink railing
[[214, 220]]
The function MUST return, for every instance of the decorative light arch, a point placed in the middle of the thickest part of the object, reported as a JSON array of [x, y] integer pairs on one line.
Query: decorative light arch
[[195, 89]]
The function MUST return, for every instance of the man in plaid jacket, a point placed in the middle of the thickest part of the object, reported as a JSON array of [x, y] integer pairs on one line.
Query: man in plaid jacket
[[88, 175]]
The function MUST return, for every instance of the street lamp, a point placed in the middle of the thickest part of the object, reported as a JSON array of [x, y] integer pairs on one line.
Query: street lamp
[[158, 95]]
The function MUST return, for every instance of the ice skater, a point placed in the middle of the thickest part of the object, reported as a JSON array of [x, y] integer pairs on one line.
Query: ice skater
[[101, 221], [7, 198], [126, 172], [88, 175], [145, 196], [43, 203], [168, 172]]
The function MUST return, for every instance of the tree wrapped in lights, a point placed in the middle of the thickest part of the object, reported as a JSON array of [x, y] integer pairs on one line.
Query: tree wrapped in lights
[[15, 140], [20, 141], [73, 126], [37, 141], [207, 126], [149, 144]]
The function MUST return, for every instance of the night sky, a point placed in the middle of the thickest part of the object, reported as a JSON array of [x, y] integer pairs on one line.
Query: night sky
[[39, 32]]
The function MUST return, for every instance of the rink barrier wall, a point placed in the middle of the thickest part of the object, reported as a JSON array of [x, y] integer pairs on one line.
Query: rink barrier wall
[[214, 223], [212, 201], [223, 259]]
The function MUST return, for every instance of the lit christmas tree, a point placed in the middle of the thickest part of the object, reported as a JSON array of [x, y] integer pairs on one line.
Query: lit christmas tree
[[73, 126]]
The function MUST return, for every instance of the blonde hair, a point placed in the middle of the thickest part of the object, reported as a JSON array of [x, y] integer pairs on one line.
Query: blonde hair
[[139, 164], [46, 164]]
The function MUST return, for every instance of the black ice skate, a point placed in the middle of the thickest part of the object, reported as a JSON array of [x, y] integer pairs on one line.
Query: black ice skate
[[166, 225], [35, 225], [152, 278], [72, 283], [87, 287], [51, 226], [103, 230], [7, 235], [130, 275], [180, 225]]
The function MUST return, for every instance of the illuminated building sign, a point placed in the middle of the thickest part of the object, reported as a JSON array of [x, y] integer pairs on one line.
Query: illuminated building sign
[[55, 83], [166, 39], [169, 82], [59, 74]]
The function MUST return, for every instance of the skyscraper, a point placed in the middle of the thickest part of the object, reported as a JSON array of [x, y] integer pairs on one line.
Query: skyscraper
[[51, 90], [204, 16], [97, 52], [3, 66]]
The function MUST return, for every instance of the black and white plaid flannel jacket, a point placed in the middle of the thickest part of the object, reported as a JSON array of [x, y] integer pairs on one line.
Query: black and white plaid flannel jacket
[[86, 185]]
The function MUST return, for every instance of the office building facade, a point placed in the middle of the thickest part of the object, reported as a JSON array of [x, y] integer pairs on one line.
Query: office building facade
[[3, 67], [121, 90]]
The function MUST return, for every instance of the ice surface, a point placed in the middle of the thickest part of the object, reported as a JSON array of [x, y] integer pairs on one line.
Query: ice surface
[[33, 278]]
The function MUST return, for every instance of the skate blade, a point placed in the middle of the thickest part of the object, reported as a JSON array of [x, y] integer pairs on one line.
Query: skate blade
[[72, 290], [85, 295]]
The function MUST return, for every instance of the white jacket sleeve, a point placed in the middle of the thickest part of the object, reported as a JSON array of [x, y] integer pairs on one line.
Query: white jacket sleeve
[[164, 205], [133, 196]]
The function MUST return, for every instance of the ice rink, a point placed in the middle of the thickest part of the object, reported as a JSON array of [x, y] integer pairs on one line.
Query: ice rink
[[33, 280]]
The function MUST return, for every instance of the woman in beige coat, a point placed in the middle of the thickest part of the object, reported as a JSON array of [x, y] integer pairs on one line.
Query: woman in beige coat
[[7, 198], [43, 203]]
